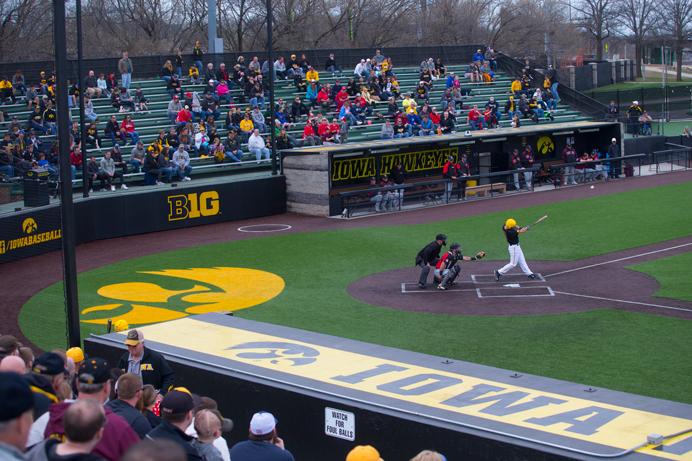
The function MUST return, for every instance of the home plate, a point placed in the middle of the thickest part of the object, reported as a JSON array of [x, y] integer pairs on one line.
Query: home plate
[[512, 285]]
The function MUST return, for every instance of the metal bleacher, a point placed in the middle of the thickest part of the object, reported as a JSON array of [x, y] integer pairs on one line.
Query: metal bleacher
[[150, 123]]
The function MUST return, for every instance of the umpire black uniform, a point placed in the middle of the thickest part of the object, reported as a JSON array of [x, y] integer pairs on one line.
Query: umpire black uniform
[[428, 256]]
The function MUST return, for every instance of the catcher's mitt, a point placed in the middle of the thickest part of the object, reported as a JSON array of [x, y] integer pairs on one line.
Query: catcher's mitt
[[480, 255]]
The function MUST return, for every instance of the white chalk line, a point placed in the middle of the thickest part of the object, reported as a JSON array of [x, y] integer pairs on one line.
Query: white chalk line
[[277, 228], [619, 259], [624, 301]]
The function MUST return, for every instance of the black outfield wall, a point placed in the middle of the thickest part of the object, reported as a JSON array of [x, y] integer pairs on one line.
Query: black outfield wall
[[32, 232]]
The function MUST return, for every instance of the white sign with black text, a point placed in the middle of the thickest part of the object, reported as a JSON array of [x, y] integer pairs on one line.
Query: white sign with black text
[[340, 424]]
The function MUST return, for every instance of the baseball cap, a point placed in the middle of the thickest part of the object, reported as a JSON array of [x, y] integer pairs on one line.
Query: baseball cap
[[134, 337], [94, 371], [262, 423], [121, 324], [15, 396], [76, 354], [8, 343], [364, 453], [48, 363], [613, 140], [176, 402]]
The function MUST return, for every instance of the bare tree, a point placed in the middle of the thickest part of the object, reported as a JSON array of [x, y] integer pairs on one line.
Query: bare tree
[[676, 18], [593, 16], [638, 16]]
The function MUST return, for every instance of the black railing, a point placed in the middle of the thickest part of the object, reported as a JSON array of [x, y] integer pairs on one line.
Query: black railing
[[443, 191]]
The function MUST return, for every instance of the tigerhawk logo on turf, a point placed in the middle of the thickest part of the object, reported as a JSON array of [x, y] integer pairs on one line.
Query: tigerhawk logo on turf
[[193, 205], [31, 237], [176, 293]]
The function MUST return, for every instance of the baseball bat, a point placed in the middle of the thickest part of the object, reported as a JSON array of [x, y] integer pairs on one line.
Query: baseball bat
[[541, 219]]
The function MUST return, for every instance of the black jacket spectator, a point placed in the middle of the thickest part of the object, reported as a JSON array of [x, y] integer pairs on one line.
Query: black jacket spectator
[[134, 418], [154, 367], [167, 431]]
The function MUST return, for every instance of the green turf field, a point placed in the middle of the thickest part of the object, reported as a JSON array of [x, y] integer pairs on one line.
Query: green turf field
[[672, 273], [606, 348]]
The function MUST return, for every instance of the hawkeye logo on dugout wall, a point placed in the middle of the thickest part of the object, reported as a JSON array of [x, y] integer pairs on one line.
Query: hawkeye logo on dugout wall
[[31, 237], [599, 422], [193, 205]]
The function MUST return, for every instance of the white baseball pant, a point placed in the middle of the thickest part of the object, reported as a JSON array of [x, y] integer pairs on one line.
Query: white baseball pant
[[516, 256]]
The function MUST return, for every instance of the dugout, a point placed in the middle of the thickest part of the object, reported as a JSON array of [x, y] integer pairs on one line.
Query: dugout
[[316, 174]]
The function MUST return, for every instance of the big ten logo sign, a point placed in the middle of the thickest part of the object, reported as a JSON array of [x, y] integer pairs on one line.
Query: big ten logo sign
[[193, 205]]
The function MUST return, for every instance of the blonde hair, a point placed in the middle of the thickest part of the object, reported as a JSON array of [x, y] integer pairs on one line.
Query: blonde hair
[[428, 455], [206, 423]]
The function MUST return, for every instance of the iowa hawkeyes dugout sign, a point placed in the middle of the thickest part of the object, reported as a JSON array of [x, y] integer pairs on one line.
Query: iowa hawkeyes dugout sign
[[544, 410], [353, 168]]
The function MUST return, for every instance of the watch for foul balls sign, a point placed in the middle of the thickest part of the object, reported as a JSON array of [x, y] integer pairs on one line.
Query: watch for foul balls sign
[[340, 424]]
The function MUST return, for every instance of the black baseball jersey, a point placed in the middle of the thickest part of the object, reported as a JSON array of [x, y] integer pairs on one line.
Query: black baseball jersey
[[512, 235], [429, 254]]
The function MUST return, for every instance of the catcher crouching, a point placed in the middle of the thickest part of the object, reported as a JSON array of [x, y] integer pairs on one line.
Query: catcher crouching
[[447, 268]]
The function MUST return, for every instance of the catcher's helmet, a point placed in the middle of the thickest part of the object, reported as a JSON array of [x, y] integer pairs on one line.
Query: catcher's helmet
[[455, 246], [510, 223], [442, 237]]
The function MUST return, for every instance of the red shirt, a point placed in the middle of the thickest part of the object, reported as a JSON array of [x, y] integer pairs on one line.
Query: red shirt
[[75, 159], [334, 128], [322, 96], [323, 129], [435, 117], [184, 116], [341, 97], [308, 131], [474, 114], [128, 126]]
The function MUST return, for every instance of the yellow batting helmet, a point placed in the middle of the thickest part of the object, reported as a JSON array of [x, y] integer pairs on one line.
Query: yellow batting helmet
[[510, 223], [120, 325]]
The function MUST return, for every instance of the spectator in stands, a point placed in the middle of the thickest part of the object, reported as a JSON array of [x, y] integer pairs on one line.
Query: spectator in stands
[[16, 405], [310, 137], [93, 384], [117, 157], [108, 173], [525, 109], [125, 100], [127, 130], [167, 71], [402, 129], [129, 391], [633, 114], [6, 163], [150, 401], [9, 346], [478, 56], [125, 69], [19, 83], [174, 107], [176, 414], [645, 123], [208, 428], [280, 68], [152, 173], [92, 173], [193, 75], [475, 119], [364, 453], [258, 146], [198, 55], [89, 112], [91, 85], [232, 147], [263, 443], [6, 91], [233, 118], [181, 160], [84, 423], [36, 121], [331, 65], [551, 75], [612, 112], [516, 88], [92, 136], [50, 117], [258, 120], [102, 85], [515, 165], [145, 362], [141, 102], [247, 126], [428, 455]]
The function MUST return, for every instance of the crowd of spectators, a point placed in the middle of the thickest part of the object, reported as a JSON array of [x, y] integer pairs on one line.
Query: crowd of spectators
[[65, 406], [236, 97]]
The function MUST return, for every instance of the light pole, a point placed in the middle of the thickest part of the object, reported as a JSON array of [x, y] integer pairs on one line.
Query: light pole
[[270, 59], [66, 205]]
